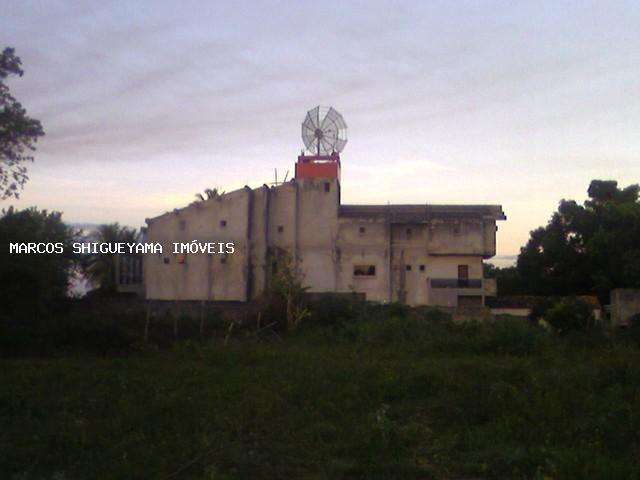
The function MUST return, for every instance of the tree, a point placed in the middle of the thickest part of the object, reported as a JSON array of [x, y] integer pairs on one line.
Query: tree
[[570, 314], [18, 132], [208, 194], [32, 282], [286, 284], [586, 248], [507, 279], [100, 268]]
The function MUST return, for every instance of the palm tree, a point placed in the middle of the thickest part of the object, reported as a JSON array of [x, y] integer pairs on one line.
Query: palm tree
[[100, 268], [209, 193]]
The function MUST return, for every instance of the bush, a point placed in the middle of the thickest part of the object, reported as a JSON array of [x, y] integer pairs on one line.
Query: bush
[[433, 332], [632, 332], [332, 309], [570, 315], [73, 332], [33, 284], [540, 308], [515, 336]]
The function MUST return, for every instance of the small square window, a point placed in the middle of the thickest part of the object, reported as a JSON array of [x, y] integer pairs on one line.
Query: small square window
[[327, 187], [407, 268], [280, 229], [364, 270], [223, 259], [166, 260], [409, 232], [362, 230], [422, 268], [223, 223]]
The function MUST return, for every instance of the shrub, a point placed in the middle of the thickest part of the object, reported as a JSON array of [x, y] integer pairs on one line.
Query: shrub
[[570, 315], [515, 336], [632, 332], [540, 308], [287, 290], [32, 284], [434, 314], [73, 332], [332, 309]]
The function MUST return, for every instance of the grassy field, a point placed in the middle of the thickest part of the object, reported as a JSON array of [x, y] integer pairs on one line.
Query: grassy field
[[388, 398]]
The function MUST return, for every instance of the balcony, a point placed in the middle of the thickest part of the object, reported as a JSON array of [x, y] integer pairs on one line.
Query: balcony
[[471, 286], [450, 292], [456, 283]]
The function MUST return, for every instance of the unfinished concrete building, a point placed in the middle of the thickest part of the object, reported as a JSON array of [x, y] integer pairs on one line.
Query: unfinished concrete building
[[415, 254]]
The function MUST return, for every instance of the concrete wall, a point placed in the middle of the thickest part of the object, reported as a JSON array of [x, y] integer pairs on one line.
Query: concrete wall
[[410, 243], [317, 230], [363, 242], [456, 237], [625, 302], [515, 312], [201, 276]]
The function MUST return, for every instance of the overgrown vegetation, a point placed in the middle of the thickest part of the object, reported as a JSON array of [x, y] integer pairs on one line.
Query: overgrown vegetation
[[30, 283], [366, 392], [340, 388], [100, 268], [589, 248]]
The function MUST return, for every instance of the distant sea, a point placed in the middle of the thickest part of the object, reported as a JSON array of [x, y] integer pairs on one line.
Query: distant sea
[[80, 285], [502, 261]]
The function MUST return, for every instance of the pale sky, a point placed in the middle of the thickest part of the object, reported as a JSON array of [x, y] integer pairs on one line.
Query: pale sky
[[146, 103]]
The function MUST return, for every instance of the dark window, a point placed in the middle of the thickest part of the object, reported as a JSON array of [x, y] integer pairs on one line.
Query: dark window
[[274, 267], [166, 260], [362, 230], [463, 272], [463, 276], [327, 187], [223, 259], [223, 223], [364, 270], [409, 232], [407, 268], [280, 229], [422, 268], [456, 230], [183, 224]]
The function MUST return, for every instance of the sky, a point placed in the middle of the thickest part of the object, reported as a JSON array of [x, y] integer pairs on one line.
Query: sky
[[146, 103]]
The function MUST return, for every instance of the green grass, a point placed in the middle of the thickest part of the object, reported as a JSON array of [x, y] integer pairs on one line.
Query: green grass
[[385, 398]]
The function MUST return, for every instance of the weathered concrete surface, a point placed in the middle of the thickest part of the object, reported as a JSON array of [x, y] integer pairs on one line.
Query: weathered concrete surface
[[625, 302], [404, 247]]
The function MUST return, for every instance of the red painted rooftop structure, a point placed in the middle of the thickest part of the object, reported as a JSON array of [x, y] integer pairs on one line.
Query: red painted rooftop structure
[[318, 166]]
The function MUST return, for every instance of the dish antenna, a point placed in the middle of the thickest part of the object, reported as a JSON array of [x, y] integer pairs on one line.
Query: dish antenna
[[324, 131]]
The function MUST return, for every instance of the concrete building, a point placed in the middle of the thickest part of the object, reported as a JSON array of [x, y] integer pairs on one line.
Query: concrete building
[[416, 254], [625, 303]]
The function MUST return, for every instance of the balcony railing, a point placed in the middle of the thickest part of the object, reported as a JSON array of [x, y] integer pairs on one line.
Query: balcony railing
[[456, 283]]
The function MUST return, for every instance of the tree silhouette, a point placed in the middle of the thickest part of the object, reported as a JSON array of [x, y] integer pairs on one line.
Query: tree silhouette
[[100, 267], [586, 248], [18, 132]]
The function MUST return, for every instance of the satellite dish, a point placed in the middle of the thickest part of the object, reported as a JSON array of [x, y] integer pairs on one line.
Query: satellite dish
[[324, 131]]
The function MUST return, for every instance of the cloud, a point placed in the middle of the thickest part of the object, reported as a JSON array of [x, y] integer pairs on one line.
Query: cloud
[[445, 101]]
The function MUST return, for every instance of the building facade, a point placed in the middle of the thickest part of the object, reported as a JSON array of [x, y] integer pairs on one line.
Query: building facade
[[415, 254]]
